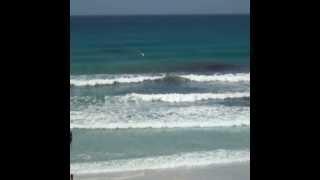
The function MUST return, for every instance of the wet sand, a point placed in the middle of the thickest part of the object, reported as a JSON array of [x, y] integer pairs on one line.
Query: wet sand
[[235, 171]]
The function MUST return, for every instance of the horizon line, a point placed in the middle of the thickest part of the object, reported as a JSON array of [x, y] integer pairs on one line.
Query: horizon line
[[200, 14]]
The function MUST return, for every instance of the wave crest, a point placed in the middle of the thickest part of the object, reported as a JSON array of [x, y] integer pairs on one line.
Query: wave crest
[[218, 77], [96, 80], [128, 116], [176, 98]]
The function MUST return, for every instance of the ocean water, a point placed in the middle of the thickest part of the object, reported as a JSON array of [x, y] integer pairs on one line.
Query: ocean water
[[152, 92]]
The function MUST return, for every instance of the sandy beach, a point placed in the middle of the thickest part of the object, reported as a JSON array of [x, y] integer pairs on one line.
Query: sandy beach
[[235, 171]]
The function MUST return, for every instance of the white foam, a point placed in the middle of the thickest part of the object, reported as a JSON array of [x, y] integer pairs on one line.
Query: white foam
[[107, 79], [124, 116], [94, 81], [176, 98], [218, 77], [193, 159]]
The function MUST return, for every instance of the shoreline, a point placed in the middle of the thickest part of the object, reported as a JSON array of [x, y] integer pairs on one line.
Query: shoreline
[[232, 171]]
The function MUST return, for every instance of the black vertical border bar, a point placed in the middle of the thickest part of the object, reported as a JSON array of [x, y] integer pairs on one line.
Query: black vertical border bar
[[253, 90], [66, 52]]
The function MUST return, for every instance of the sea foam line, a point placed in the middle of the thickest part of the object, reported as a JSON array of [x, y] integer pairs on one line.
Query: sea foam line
[[128, 116], [176, 98], [95, 80], [159, 125], [218, 77], [192, 159]]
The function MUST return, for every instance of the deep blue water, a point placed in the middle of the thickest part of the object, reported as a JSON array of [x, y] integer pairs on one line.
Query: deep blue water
[[113, 44]]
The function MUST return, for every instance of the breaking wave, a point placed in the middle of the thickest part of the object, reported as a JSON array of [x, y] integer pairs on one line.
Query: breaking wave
[[96, 80], [128, 116], [176, 98]]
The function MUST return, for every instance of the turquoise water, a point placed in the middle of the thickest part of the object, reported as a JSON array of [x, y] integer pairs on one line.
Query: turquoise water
[[169, 43], [151, 92], [128, 143]]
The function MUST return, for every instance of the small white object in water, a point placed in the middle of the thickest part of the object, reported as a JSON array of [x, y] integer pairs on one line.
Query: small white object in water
[[141, 53]]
